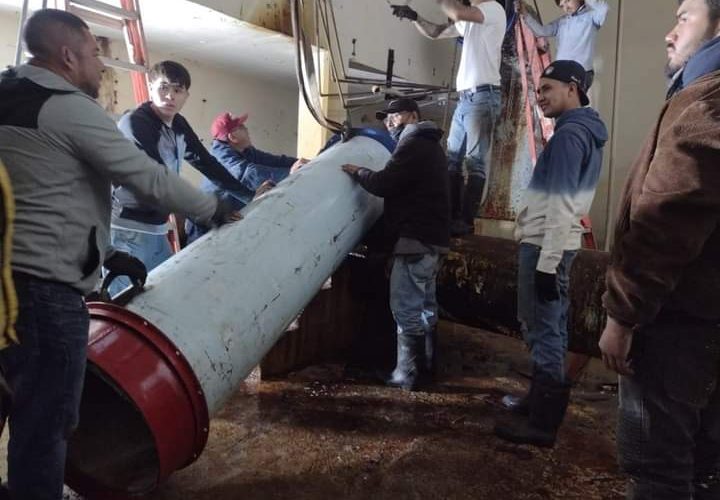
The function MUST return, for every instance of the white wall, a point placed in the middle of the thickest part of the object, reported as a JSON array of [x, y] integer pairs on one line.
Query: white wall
[[371, 23]]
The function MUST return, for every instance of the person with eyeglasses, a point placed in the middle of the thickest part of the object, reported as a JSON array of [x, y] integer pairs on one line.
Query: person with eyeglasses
[[158, 128]]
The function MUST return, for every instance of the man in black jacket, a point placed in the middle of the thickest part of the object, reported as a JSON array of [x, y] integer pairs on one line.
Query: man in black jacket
[[414, 185]]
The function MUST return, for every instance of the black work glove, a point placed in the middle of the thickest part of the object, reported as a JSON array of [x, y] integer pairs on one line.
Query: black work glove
[[124, 264], [404, 12], [546, 286], [224, 213]]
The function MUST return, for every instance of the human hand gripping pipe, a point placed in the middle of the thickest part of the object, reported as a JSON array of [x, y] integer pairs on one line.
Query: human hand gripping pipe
[[161, 366]]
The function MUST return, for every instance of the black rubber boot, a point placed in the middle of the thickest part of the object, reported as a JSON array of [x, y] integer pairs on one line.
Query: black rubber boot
[[520, 405], [548, 403], [472, 199], [430, 365], [410, 361], [458, 227], [457, 184]]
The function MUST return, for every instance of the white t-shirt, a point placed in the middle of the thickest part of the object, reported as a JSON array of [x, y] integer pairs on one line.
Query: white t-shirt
[[482, 47]]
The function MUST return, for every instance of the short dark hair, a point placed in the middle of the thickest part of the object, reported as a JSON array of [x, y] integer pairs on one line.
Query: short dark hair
[[173, 71], [713, 6], [557, 2], [36, 33]]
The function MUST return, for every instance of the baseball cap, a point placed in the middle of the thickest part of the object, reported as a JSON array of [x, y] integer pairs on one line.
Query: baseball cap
[[569, 72], [225, 123], [398, 105]]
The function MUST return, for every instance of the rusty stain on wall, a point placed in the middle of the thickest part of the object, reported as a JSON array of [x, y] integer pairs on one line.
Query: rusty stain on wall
[[272, 15]]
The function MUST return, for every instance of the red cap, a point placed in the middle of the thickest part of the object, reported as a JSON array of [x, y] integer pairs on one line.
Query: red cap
[[225, 123]]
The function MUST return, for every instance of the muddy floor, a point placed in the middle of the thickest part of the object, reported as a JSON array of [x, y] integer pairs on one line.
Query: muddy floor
[[323, 434]]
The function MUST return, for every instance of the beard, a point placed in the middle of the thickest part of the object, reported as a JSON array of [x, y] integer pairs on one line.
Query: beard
[[672, 68]]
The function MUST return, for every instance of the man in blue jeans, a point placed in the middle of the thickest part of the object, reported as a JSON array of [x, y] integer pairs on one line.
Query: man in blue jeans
[[414, 187], [548, 227], [482, 25], [62, 152]]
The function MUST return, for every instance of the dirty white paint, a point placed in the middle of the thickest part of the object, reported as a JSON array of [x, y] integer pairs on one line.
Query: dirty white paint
[[225, 300]]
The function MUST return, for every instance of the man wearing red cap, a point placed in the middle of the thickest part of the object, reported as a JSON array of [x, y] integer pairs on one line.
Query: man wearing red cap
[[158, 128], [254, 168]]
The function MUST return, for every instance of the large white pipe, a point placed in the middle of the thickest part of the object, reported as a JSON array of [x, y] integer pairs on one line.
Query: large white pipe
[[227, 299], [206, 318]]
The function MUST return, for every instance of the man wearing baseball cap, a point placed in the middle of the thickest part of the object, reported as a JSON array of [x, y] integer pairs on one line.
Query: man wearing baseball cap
[[257, 170], [414, 185], [396, 106], [548, 227]]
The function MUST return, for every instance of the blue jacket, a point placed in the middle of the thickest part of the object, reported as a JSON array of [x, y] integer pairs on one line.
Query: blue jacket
[[168, 146], [251, 167], [562, 187]]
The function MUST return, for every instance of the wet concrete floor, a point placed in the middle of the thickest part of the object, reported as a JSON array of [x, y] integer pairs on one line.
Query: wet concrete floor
[[320, 434]]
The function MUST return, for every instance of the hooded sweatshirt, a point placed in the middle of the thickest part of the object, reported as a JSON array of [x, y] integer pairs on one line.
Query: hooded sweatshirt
[[562, 187], [414, 184]]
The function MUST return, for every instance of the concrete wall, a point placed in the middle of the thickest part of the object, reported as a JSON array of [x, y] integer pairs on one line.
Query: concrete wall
[[373, 27]]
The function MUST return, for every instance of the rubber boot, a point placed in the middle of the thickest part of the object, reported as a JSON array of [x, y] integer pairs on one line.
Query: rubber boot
[[457, 184], [520, 405], [548, 403], [472, 199], [429, 366], [410, 360], [458, 227]]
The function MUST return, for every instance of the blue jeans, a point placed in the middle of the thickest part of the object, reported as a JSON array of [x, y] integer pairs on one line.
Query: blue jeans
[[46, 373], [412, 293], [471, 131], [668, 431], [151, 249], [544, 323]]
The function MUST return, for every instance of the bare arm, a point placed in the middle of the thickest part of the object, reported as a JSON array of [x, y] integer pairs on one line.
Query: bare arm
[[459, 12], [436, 31]]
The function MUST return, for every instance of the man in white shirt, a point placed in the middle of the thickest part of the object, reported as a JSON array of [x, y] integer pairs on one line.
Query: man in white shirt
[[482, 25]]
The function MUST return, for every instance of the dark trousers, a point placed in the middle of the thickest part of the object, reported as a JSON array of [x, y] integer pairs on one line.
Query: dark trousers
[[46, 373], [669, 419]]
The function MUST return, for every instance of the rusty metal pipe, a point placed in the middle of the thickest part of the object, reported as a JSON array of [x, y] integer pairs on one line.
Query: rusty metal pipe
[[477, 286]]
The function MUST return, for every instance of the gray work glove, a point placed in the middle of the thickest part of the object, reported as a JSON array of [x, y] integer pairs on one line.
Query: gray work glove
[[404, 12]]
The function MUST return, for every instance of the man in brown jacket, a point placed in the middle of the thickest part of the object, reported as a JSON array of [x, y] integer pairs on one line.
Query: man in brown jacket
[[663, 284]]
